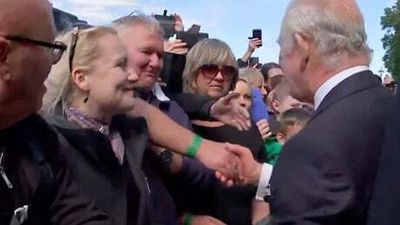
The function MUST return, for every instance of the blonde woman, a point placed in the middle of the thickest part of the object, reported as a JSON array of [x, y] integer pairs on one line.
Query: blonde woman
[[86, 89]]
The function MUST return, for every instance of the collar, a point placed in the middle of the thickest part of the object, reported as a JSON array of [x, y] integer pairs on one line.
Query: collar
[[85, 121], [332, 82], [158, 93]]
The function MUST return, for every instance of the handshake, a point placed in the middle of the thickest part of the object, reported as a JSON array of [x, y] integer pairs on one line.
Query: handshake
[[234, 164]]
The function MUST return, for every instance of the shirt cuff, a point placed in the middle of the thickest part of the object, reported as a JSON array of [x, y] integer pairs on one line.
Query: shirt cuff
[[263, 183]]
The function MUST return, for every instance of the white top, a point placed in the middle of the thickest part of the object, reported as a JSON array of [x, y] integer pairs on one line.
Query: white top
[[266, 172], [332, 82]]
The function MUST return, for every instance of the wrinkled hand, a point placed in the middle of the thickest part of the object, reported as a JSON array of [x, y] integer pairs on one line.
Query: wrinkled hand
[[178, 23], [254, 43], [264, 129], [175, 47], [248, 169], [229, 111], [206, 220]]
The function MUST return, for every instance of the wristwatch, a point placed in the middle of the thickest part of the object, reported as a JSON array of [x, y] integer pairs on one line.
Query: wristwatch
[[166, 157]]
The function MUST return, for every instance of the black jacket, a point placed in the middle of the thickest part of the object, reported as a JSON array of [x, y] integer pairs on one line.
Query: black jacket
[[40, 179], [325, 174], [120, 190], [385, 203]]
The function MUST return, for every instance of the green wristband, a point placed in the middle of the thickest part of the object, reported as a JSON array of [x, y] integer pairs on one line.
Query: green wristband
[[187, 219], [194, 148]]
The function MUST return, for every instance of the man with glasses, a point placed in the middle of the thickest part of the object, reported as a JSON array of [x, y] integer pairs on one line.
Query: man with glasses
[[35, 186]]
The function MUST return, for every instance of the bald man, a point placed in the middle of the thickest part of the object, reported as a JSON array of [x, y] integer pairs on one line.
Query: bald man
[[325, 174], [35, 186]]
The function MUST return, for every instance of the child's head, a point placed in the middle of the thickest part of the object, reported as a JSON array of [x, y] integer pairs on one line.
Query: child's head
[[292, 122], [281, 100]]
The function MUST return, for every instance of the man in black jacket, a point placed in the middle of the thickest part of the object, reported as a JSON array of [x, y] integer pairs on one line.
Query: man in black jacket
[[35, 185], [325, 174]]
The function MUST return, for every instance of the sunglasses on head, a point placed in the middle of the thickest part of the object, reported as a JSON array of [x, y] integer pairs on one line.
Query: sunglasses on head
[[210, 71], [74, 42]]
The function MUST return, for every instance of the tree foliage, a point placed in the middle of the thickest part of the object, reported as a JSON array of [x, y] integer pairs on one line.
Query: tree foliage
[[391, 41]]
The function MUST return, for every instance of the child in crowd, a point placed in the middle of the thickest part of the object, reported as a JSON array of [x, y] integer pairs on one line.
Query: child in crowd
[[292, 122]]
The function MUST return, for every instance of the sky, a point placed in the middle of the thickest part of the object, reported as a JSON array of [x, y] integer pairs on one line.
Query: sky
[[229, 20]]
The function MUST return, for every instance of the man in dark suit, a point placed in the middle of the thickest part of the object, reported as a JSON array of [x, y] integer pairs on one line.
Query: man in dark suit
[[325, 174], [385, 202]]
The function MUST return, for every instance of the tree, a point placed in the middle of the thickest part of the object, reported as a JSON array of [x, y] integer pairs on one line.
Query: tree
[[391, 41]]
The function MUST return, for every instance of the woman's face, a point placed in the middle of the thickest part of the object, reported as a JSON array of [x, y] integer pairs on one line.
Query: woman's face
[[244, 91], [214, 80], [110, 83]]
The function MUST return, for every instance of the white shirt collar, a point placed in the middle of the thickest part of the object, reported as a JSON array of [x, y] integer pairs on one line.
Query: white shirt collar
[[332, 82], [158, 92]]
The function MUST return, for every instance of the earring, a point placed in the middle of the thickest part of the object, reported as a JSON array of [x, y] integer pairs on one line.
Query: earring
[[85, 99]]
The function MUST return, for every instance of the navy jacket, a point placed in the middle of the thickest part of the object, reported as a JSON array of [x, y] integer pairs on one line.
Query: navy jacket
[[325, 174]]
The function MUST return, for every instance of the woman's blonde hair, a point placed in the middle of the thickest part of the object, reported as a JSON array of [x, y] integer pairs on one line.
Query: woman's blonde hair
[[205, 52], [60, 87], [251, 75]]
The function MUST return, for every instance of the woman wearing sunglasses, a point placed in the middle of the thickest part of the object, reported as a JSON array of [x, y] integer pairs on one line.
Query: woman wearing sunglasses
[[211, 69]]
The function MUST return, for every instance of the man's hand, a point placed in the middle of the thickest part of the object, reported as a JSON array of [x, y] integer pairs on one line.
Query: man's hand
[[254, 43], [249, 170], [264, 129], [216, 156], [206, 220], [175, 47], [229, 111]]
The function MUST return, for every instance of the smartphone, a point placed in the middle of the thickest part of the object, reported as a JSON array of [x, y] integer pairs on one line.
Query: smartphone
[[167, 23], [191, 39], [257, 33], [253, 61]]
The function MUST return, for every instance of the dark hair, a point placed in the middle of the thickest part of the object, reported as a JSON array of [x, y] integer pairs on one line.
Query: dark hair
[[267, 67]]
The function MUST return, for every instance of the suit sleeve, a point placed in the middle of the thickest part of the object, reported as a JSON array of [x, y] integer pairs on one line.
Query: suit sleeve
[[310, 185], [196, 106]]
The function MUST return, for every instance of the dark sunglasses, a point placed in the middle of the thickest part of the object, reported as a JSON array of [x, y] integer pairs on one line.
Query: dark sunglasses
[[57, 48], [74, 42], [210, 71]]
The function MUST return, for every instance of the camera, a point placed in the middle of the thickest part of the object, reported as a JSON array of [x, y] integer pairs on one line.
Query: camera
[[191, 38], [167, 23]]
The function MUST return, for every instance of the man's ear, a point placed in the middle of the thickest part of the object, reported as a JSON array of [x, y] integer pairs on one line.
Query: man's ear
[[275, 105], [80, 78], [5, 49], [304, 43]]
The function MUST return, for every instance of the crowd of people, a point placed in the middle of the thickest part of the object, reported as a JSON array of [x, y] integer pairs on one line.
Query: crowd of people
[[92, 134]]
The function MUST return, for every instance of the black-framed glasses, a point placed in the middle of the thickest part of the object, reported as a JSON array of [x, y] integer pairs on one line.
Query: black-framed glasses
[[210, 71], [57, 48]]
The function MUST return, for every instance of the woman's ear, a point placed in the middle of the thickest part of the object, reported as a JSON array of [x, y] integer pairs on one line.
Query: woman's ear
[[5, 49], [80, 78]]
